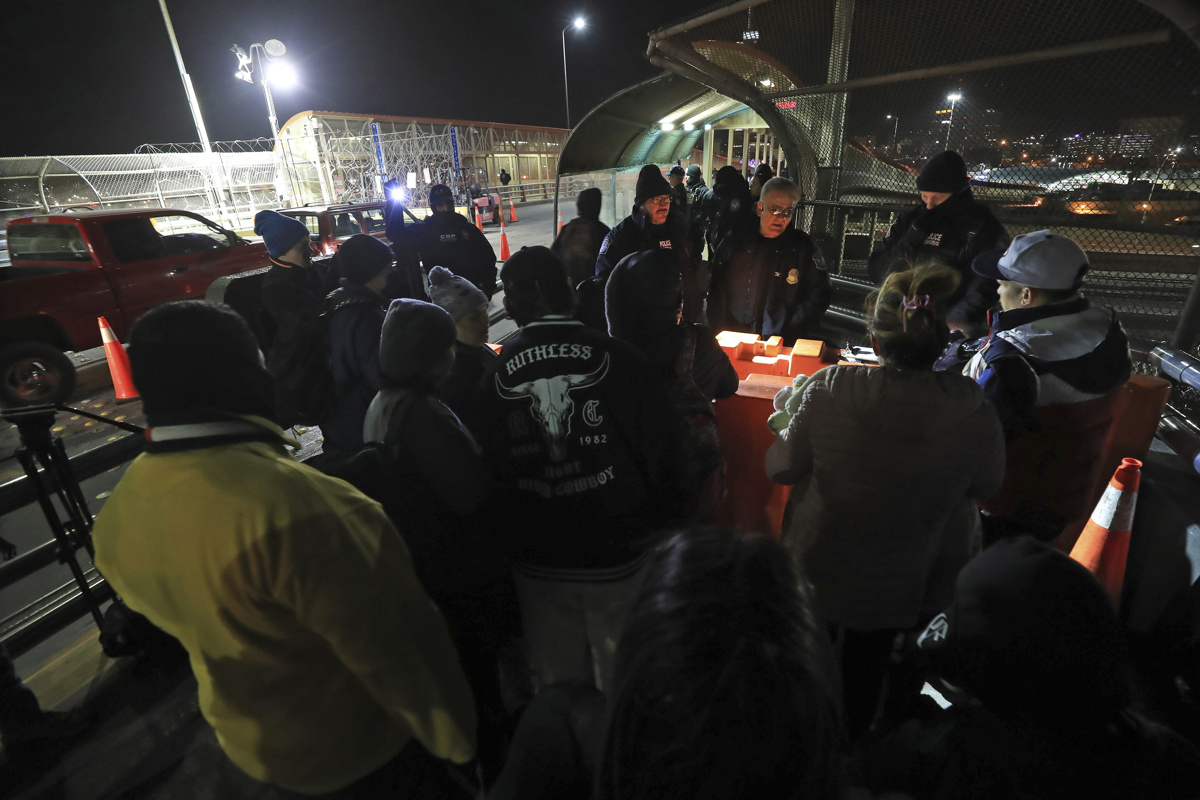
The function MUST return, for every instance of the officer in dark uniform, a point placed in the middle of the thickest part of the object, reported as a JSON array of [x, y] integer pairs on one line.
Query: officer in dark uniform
[[679, 193], [701, 198], [653, 225], [949, 226], [770, 281], [446, 239]]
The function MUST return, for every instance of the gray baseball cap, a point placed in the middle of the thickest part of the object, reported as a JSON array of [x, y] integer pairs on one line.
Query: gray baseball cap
[[1039, 260]]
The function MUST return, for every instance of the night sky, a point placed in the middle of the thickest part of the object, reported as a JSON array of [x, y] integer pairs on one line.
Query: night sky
[[98, 76]]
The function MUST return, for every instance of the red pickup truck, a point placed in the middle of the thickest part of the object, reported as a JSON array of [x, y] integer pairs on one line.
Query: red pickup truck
[[68, 269]]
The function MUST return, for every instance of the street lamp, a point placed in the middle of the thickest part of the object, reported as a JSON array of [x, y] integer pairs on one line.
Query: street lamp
[[953, 98], [579, 23], [262, 57], [895, 130]]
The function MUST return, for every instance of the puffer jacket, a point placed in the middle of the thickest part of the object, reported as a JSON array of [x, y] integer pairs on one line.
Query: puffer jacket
[[884, 463]]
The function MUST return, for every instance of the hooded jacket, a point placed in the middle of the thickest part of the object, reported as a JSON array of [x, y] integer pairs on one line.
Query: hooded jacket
[[884, 463], [1068, 352], [318, 654], [953, 233], [355, 320]]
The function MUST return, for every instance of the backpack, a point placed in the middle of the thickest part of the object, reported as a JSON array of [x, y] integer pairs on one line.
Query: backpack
[[304, 374], [578, 247]]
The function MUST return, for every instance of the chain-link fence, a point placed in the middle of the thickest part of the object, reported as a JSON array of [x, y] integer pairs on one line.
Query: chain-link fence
[[230, 185], [1076, 115]]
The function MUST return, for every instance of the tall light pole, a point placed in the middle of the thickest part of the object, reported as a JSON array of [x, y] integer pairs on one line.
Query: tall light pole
[[895, 130], [193, 103], [953, 98], [218, 183], [271, 71], [578, 24]]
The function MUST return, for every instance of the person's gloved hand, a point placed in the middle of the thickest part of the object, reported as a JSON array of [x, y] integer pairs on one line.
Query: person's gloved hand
[[916, 234], [787, 403], [394, 183]]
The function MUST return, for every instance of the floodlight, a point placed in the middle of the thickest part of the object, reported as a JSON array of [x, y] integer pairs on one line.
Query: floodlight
[[281, 74]]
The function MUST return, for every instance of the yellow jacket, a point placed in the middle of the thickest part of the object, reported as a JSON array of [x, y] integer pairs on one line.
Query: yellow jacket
[[317, 652]]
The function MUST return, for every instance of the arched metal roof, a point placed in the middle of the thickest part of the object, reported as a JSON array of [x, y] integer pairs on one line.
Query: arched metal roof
[[626, 130]]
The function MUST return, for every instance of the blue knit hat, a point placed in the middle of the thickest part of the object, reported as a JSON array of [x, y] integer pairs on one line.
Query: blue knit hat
[[279, 233]]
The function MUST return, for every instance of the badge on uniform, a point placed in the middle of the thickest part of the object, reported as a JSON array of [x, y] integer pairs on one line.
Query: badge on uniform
[[793, 276]]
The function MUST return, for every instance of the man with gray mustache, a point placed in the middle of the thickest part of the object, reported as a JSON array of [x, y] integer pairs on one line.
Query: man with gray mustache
[[584, 448]]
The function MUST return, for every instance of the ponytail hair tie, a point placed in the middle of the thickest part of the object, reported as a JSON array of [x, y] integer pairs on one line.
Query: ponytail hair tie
[[907, 306]]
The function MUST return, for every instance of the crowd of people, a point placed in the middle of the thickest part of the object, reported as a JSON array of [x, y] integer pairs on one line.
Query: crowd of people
[[500, 581]]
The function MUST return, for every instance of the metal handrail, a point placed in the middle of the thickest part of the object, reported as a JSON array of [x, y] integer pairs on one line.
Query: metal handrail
[[1177, 366]]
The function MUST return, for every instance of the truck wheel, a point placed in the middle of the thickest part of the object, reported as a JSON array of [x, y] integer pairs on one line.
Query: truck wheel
[[33, 373]]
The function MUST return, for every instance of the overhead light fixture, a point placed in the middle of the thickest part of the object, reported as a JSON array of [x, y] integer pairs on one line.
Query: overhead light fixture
[[687, 126], [751, 33], [766, 82], [708, 126], [668, 126]]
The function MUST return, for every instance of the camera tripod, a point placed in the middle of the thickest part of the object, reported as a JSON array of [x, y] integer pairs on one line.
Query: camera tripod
[[48, 469]]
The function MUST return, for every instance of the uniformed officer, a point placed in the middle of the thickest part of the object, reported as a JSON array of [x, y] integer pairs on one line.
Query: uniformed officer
[[448, 239], [770, 281]]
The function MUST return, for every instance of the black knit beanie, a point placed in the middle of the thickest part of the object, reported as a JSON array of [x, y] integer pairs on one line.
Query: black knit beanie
[[192, 356], [945, 172], [650, 183], [363, 257]]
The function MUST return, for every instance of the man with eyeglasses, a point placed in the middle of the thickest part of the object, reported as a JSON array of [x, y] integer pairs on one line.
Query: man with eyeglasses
[[652, 225], [771, 281]]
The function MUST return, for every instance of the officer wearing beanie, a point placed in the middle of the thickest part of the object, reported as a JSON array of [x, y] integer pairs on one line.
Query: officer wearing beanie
[[468, 307], [679, 192], [652, 225], [444, 239], [700, 197], [293, 294], [355, 311], [949, 226], [584, 450]]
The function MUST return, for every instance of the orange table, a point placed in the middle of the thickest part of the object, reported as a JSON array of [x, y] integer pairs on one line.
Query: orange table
[[754, 502]]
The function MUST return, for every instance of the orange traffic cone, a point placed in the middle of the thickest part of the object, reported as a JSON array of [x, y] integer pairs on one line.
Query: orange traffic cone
[[512, 211], [504, 251], [118, 364], [560, 222], [478, 219], [1103, 547]]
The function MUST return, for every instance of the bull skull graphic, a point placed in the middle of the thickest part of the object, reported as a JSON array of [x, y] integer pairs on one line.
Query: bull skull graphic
[[552, 404]]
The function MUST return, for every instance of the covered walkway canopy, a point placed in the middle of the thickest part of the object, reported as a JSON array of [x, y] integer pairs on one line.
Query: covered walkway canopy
[[664, 120]]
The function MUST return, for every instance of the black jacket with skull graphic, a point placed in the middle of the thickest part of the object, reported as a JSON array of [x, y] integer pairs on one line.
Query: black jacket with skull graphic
[[582, 442]]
